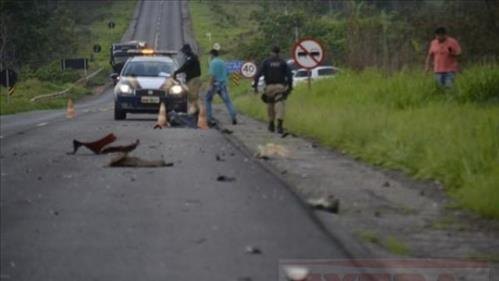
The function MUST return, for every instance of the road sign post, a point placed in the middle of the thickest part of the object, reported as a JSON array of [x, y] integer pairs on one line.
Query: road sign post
[[248, 70], [308, 53]]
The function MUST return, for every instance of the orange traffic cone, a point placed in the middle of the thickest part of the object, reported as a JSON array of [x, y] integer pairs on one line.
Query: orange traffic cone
[[70, 111], [202, 119], [162, 118]]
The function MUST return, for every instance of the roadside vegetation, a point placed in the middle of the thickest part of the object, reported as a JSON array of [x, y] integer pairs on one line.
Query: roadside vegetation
[[383, 108], [404, 122], [36, 35]]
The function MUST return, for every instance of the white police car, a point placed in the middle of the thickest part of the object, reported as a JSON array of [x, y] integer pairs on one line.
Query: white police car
[[145, 82]]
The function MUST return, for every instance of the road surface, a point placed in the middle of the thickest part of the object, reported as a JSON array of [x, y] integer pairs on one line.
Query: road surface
[[70, 217]]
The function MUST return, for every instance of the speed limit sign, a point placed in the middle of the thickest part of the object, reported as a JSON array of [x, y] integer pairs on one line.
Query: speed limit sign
[[248, 70]]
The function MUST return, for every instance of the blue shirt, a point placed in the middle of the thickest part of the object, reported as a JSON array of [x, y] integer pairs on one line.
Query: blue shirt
[[218, 70]]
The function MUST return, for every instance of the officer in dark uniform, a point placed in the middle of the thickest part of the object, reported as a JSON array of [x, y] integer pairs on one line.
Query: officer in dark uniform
[[192, 70], [278, 84]]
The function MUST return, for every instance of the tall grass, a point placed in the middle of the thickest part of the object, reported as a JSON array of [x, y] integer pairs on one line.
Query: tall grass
[[403, 121]]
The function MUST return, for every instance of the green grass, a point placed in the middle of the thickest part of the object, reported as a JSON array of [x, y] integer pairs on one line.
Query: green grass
[[396, 246], [400, 121], [49, 78], [404, 122], [391, 243]]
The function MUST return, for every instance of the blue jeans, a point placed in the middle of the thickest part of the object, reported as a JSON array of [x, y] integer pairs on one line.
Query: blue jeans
[[445, 79], [221, 90]]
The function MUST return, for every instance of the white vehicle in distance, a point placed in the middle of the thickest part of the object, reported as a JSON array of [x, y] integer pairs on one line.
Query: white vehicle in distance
[[320, 72]]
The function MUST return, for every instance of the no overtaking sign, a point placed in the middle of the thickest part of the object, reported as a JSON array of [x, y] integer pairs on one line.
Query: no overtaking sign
[[308, 53]]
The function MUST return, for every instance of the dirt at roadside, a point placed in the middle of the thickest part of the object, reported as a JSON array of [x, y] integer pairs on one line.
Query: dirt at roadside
[[381, 213]]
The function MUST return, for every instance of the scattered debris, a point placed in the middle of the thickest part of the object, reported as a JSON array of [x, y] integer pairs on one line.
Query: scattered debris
[[55, 213], [288, 134], [296, 273], [219, 158], [271, 149], [95, 146], [330, 204], [225, 179], [120, 148], [227, 131], [123, 160], [386, 184], [39, 178], [252, 250]]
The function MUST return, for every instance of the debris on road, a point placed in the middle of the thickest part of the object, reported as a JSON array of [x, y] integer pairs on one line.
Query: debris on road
[[225, 179], [120, 148], [95, 146], [219, 158], [123, 160], [272, 149], [227, 131], [252, 250], [330, 204]]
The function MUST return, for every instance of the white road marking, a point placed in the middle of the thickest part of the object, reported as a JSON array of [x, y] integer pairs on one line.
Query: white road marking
[[41, 124]]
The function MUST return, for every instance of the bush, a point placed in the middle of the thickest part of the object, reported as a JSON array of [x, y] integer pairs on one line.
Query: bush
[[478, 84]]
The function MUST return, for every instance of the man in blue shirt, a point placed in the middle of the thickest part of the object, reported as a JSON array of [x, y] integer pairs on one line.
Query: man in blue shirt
[[218, 85]]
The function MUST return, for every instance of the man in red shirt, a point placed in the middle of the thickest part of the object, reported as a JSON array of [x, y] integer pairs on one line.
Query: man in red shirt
[[443, 51]]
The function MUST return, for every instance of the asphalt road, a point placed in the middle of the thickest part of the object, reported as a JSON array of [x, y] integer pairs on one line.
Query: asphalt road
[[70, 217]]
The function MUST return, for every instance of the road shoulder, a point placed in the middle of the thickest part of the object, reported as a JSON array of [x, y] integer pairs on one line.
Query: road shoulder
[[384, 213]]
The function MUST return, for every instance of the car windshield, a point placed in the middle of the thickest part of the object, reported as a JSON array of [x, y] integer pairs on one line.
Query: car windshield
[[148, 68], [302, 73], [326, 71]]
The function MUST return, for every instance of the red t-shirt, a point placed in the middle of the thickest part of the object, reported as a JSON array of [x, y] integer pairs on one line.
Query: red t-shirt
[[444, 55]]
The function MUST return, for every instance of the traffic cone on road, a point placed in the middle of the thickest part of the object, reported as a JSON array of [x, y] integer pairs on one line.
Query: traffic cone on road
[[162, 118], [202, 119], [70, 111]]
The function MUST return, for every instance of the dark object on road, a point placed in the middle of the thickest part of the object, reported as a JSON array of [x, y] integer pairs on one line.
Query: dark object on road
[[123, 160], [95, 146], [330, 204], [227, 131], [225, 179], [219, 158], [120, 148], [386, 184], [252, 250]]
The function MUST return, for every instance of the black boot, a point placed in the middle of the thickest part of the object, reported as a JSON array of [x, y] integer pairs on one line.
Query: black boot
[[280, 130], [271, 126]]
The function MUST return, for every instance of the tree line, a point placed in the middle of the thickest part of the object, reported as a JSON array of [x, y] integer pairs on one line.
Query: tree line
[[389, 34]]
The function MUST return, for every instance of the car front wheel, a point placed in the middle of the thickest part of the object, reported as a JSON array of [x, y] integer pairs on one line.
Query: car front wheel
[[118, 113]]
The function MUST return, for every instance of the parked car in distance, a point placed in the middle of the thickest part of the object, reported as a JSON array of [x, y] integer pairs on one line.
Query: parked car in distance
[[319, 72]]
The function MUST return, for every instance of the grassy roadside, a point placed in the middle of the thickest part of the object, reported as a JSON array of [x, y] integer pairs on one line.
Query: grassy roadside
[[399, 122], [403, 122], [49, 79]]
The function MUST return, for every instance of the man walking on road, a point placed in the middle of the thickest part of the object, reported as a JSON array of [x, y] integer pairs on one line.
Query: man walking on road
[[278, 84], [218, 85], [192, 71], [444, 51]]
